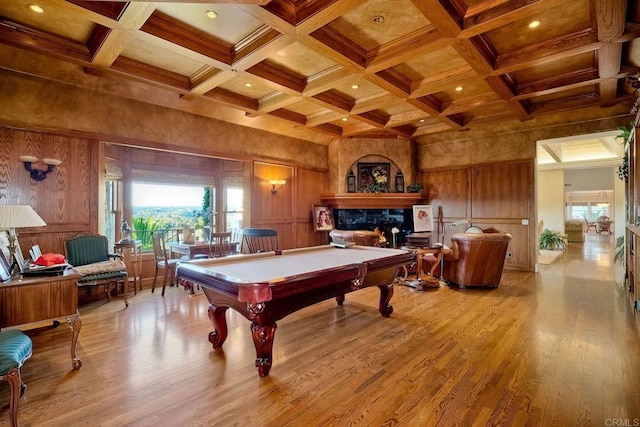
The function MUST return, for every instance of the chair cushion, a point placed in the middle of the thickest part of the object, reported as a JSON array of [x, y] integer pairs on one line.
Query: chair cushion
[[15, 348], [101, 271], [101, 267]]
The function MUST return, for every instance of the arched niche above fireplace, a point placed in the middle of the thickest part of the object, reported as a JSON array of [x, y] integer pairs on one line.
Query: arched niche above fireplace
[[374, 174]]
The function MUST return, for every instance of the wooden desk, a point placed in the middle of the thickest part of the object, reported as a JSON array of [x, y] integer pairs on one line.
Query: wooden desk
[[131, 253], [191, 250], [39, 299]]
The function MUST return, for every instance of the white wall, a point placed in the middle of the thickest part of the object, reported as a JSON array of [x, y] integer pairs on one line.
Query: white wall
[[550, 195]]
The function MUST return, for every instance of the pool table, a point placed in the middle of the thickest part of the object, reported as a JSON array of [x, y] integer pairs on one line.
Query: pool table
[[266, 287]]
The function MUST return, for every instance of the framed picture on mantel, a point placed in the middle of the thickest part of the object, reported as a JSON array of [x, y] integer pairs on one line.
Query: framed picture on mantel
[[372, 176]]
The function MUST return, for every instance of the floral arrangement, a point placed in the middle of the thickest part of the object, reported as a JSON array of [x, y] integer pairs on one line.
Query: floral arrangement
[[377, 188]]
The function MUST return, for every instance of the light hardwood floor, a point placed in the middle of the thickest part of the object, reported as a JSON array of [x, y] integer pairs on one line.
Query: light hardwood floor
[[561, 347]]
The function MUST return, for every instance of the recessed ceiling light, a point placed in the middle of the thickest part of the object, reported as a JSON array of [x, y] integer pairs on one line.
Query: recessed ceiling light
[[211, 14], [248, 84], [344, 119], [35, 8], [459, 89], [421, 120], [354, 86], [378, 19], [534, 24]]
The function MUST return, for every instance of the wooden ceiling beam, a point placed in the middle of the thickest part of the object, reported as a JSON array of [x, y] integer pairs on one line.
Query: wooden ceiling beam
[[463, 104], [325, 116], [485, 16], [577, 102], [149, 74], [445, 18], [406, 118], [276, 101], [558, 83], [442, 81], [181, 34], [330, 11], [405, 48], [23, 37], [555, 49], [374, 102], [107, 45]]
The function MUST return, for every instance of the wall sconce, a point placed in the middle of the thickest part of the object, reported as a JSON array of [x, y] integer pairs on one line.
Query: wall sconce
[[399, 184], [39, 174], [351, 182], [276, 185]]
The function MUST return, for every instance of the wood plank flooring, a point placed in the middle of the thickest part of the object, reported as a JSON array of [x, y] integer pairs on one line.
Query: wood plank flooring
[[561, 347]]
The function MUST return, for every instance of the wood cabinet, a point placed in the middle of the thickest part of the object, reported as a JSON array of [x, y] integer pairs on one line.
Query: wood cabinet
[[632, 214], [25, 301]]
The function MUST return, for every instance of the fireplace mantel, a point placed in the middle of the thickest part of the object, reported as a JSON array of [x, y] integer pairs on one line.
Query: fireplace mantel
[[371, 200]]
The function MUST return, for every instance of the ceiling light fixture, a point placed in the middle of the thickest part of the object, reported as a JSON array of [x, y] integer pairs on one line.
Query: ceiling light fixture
[[354, 86], [534, 24], [378, 19], [459, 89], [35, 8], [344, 119], [601, 202], [421, 120], [248, 84], [211, 14]]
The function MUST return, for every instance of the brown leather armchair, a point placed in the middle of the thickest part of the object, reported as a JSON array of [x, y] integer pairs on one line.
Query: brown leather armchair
[[474, 259]]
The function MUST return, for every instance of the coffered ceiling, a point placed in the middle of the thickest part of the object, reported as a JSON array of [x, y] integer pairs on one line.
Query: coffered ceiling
[[326, 69]]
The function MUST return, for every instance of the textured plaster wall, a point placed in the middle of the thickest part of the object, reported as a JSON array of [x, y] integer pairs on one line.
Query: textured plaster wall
[[510, 140], [345, 153], [35, 103]]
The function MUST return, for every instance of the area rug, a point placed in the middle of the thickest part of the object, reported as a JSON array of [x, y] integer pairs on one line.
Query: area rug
[[548, 257]]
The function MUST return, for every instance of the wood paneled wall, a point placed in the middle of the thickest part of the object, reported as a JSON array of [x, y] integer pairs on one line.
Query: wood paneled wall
[[289, 210], [498, 196], [66, 200]]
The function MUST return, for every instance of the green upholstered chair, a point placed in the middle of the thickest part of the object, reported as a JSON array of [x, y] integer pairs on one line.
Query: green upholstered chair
[[15, 349], [89, 255]]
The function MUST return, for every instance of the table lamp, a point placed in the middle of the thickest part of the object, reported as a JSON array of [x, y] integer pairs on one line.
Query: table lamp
[[16, 216]]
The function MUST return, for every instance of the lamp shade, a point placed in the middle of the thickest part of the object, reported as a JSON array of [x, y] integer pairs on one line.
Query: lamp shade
[[16, 216]]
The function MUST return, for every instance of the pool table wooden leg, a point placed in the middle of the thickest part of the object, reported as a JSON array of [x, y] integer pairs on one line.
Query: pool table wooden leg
[[219, 322], [340, 299], [263, 341], [386, 292]]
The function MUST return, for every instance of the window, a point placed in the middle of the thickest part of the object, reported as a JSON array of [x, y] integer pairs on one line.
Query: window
[[233, 205], [168, 207]]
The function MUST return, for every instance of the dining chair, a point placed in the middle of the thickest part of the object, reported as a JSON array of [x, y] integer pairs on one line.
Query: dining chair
[[220, 244], [255, 240], [162, 261]]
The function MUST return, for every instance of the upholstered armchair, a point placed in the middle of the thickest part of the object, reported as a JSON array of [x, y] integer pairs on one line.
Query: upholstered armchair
[[475, 259], [90, 257]]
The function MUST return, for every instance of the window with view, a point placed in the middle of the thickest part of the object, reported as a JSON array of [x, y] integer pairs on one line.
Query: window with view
[[169, 208]]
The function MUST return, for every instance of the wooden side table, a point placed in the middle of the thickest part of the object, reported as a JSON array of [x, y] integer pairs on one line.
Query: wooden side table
[[428, 281], [131, 253], [25, 301]]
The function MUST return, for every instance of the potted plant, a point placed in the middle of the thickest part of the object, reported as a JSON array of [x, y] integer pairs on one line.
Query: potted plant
[[619, 250], [623, 169], [552, 240], [414, 188]]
